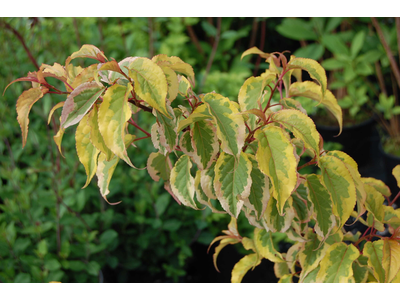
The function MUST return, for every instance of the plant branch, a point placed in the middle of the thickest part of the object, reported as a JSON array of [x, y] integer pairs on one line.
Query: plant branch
[[380, 78], [213, 51], [398, 34], [151, 42], [389, 54], [76, 28], [262, 42], [194, 39], [21, 39], [133, 123]]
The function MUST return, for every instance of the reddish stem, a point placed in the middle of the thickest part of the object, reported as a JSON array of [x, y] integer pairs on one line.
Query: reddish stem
[[133, 123]]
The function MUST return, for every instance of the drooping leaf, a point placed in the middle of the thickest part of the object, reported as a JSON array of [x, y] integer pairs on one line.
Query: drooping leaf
[[58, 105], [172, 81], [159, 165], [391, 259], [374, 252], [255, 50], [379, 185], [276, 159], [205, 143], [95, 136], [312, 90], [259, 190], [243, 266], [225, 240], [150, 83], [79, 102], [322, 205], [232, 178], [58, 138], [315, 70], [291, 256], [176, 64], [201, 196], [396, 174], [114, 112], [340, 185], [169, 136], [185, 144], [374, 203], [182, 182], [265, 246], [105, 170], [156, 133], [275, 221], [281, 269], [87, 153], [88, 51], [301, 125], [207, 181], [24, 105], [230, 124]]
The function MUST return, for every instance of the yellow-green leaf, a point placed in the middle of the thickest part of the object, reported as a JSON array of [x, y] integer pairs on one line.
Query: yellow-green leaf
[[265, 246], [182, 182], [172, 81], [229, 122], [275, 221], [301, 125], [159, 165], [374, 203], [205, 143], [105, 170], [87, 153], [315, 70], [374, 252], [232, 179], [255, 50], [391, 259], [176, 64], [360, 272], [156, 133], [207, 181], [168, 134], [281, 269], [379, 185], [243, 266], [150, 83], [312, 90], [336, 266], [340, 184], [184, 85], [58, 105], [276, 159], [113, 115], [201, 196], [288, 278], [290, 103], [396, 174], [24, 105], [322, 205], [58, 138], [88, 51], [79, 102], [200, 113]]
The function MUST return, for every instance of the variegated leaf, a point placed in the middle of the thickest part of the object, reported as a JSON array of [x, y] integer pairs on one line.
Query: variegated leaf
[[113, 115], [265, 246], [229, 122], [159, 165], [184, 85], [88, 51], [391, 259], [290, 103], [169, 138], [336, 266], [156, 132], [301, 125], [200, 113], [87, 153], [105, 170], [58, 105], [172, 81], [232, 179], [24, 105], [312, 90], [276, 159], [150, 83], [379, 185], [201, 196], [322, 205], [281, 269], [374, 203], [176, 64], [340, 184], [275, 221], [259, 190], [374, 252], [182, 182], [207, 181], [84, 76], [205, 143], [396, 174], [360, 272], [243, 266], [79, 102]]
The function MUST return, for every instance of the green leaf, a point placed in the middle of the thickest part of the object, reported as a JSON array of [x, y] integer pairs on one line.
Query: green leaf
[[374, 203], [335, 44], [24, 105], [357, 43], [159, 165], [313, 51], [288, 278], [322, 205], [312, 90], [87, 153], [105, 170], [52, 264], [313, 68], [336, 266], [232, 179], [205, 143], [230, 124], [296, 29], [360, 272], [22, 278], [301, 126], [108, 236], [276, 221], [276, 159], [259, 190], [150, 83], [333, 64], [182, 182], [374, 252], [242, 266], [340, 185], [113, 115], [281, 269], [79, 102], [265, 246]]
